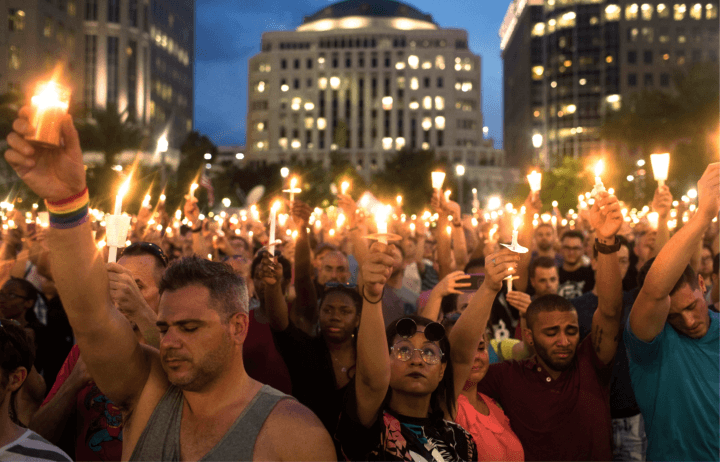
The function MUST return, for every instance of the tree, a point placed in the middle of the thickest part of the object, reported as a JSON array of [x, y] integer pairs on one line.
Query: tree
[[408, 173], [110, 132]]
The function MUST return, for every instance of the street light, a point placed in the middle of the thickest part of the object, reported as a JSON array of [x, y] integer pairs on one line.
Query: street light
[[537, 140]]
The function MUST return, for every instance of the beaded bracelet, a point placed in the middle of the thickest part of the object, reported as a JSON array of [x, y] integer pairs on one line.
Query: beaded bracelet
[[70, 212]]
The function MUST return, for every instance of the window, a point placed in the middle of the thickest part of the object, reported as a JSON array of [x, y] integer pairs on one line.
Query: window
[[439, 103], [665, 80], [538, 29], [632, 34], [680, 57], [309, 63], [283, 64], [439, 62], [296, 84], [414, 83], [14, 59], [612, 13], [648, 34], [113, 14], [696, 11], [112, 69], [711, 11], [440, 82], [47, 30], [131, 77], [664, 35], [696, 55], [647, 11], [296, 64], [426, 82], [631, 12], [663, 11], [648, 57], [648, 80], [16, 19], [680, 34], [537, 72], [632, 57], [132, 12], [566, 20], [679, 10], [632, 80]]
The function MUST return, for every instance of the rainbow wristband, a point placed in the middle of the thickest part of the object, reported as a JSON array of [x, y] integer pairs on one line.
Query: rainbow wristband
[[70, 212]]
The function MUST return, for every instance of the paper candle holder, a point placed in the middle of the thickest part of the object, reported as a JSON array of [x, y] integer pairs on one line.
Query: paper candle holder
[[117, 230], [660, 164], [49, 105], [438, 178], [517, 248]]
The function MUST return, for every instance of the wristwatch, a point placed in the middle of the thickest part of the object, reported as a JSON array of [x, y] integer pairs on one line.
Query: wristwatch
[[607, 249]]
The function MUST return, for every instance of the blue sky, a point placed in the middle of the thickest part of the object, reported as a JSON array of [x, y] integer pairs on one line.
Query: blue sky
[[228, 33]]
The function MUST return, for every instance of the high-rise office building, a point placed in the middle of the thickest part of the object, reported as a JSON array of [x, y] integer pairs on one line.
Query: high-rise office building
[[365, 79], [568, 63], [38, 36]]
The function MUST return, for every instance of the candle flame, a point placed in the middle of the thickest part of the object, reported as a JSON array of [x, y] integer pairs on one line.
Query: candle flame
[[48, 96], [125, 187], [399, 200], [437, 179], [293, 182], [162, 197], [599, 167], [344, 187], [193, 187], [517, 222], [275, 207]]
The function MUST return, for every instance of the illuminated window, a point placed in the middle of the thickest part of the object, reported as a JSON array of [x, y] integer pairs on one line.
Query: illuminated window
[[413, 61], [537, 72], [295, 144], [631, 12], [609, 59], [387, 103], [439, 62], [260, 145], [426, 123], [71, 8], [439, 103], [414, 83], [458, 64], [467, 64], [399, 143], [696, 11], [321, 62], [309, 122], [582, 81], [647, 11], [440, 123], [567, 20], [16, 19], [663, 11], [711, 11], [309, 106], [427, 102], [594, 20], [400, 65], [14, 61], [414, 104], [47, 30], [612, 13], [679, 11], [261, 87], [570, 109], [427, 65], [401, 83], [322, 83], [538, 29], [387, 143], [466, 86], [283, 142], [551, 25], [648, 34], [334, 83], [260, 126], [321, 123]]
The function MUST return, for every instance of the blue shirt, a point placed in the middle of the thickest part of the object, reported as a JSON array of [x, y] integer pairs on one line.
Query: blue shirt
[[677, 385]]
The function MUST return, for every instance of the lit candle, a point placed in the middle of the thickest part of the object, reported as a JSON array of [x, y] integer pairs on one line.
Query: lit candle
[[516, 225], [49, 104], [399, 200], [273, 212], [146, 201], [344, 186], [412, 229], [660, 165], [117, 225], [509, 280], [438, 178], [293, 182], [119, 198], [193, 187], [162, 198], [653, 218], [447, 195], [599, 186], [382, 227], [535, 181]]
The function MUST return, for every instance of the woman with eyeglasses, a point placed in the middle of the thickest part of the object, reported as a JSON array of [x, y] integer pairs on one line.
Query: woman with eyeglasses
[[402, 403]]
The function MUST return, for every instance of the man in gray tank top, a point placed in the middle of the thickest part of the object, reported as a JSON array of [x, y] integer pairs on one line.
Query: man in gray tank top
[[192, 398]]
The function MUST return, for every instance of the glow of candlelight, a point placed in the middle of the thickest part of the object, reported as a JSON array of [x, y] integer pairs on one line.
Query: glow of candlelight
[[660, 164], [162, 198], [535, 181], [447, 195], [438, 178], [193, 187], [344, 186], [399, 200], [119, 198], [49, 104], [599, 186], [146, 201], [653, 219], [273, 216]]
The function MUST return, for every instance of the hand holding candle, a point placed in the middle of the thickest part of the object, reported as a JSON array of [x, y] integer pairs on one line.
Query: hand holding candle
[[599, 186], [344, 186], [273, 216], [660, 164], [515, 247], [438, 178], [49, 104], [535, 181]]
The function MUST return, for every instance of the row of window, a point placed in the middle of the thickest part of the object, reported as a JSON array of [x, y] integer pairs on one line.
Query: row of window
[[413, 62], [648, 79], [365, 42], [681, 34], [171, 46]]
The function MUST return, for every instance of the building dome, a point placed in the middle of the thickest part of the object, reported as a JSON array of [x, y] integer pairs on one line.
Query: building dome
[[371, 8]]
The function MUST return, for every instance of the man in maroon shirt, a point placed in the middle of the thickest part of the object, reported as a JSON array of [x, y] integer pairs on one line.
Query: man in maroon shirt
[[558, 400]]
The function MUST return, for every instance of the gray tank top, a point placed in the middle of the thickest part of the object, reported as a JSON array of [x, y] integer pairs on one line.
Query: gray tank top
[[160, 440]]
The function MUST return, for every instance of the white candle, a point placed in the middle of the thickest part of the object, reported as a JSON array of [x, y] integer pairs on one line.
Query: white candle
[[293, 182], [599, 186], [344, 186], [273, 213], [193, 187], [535, 180], [509, 280], [516, 225], [381, 220], [660, 164]]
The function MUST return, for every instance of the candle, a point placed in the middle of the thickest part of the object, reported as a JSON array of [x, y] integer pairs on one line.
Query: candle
[[117, 225], [382, 227], [599, 186], [146, 201], [119, 198], [399, 200], [447, 195], [49, 104], [162, 198], [509, 280], [193, 187], [653, 218], [438, 178], [273, 211], [344, 187], [516, 225], [535, 180], [660, 165], [293, 182]]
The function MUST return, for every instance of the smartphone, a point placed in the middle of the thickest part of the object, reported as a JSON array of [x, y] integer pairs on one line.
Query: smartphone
[[475, 281]]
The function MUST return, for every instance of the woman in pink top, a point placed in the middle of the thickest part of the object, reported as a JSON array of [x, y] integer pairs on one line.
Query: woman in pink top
[[483, 419]]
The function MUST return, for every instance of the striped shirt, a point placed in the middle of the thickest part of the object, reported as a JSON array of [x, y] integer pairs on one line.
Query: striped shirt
[[31, 447]]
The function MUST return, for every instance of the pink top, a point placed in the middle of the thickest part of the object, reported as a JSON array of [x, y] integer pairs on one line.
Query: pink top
[[492, 434]]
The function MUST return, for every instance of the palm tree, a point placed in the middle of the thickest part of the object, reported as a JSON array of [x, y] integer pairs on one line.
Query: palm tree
[[110, 132]]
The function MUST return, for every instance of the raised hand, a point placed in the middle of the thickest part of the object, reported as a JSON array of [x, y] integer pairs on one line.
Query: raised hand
[[605, 216], [519, 300], [451, 284], [53, 174], [269, 270], [300, 213], [377, 269], [191, 210], [662, 201], [709, 192], [124, 292], [498, 266]]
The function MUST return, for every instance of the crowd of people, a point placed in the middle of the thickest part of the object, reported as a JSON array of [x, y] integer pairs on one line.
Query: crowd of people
[[206, 340]]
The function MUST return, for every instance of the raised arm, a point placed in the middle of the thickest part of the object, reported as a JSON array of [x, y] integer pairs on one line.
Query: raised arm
[[306, 301], [606, 218], [450, 284], [373, 355], [651, 308], [111, 351], [270, 272], [126, 295], [662, 203], [470, 327], [533, 205]]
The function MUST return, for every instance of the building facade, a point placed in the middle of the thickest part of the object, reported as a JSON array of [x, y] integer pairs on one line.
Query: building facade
[[39, 38], [568, 63], [365, 79]]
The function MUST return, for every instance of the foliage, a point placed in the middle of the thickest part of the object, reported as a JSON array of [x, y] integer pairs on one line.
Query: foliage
[[110, 132], [408, 173]]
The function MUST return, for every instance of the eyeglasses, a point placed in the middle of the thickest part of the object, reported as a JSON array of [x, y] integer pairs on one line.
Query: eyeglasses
[[150, 248], [404, 350], [346, 285], [406, 328]]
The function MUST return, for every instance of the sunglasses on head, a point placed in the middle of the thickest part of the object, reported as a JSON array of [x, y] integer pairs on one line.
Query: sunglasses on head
[[150, 248], [407, 327]]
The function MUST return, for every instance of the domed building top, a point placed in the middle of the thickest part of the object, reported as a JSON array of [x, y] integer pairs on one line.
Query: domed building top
[[372, 8]]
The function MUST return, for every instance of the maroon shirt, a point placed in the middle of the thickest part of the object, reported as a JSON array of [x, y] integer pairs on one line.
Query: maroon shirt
[[563, 419]]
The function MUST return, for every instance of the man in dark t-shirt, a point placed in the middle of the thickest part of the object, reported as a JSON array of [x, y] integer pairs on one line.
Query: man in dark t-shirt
[[575, 278]]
